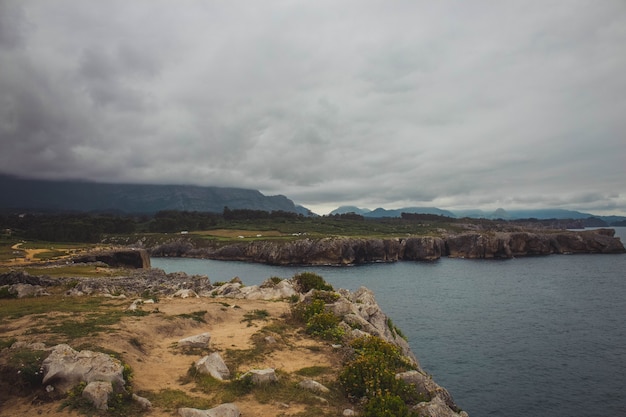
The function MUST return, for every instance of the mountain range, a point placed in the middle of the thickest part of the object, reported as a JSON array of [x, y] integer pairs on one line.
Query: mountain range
[[539, 214], [30, 194], [83, 196]]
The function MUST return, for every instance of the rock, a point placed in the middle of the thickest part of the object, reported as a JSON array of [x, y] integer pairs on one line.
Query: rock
[[261, 376], [97, 392], [198, 341], [64, 368], [223, 410], [27, 290], [313, 386], [426, 386], [436, 408], [213, 365], [348, 412], [186, 293], [142, 401]]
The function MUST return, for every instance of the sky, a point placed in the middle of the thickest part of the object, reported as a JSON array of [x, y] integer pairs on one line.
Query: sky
[[451, 104]]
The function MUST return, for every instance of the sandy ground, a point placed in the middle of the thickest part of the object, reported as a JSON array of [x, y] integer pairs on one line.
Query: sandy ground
[[158, 364]]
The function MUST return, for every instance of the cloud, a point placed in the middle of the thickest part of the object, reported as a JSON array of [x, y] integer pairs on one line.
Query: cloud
[[459, 105]]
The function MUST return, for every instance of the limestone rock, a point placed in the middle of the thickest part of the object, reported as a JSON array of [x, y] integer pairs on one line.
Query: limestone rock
[[27, 290], [313, 386], [142, 401], [64, 368], [213, 365], [261, 376], [223, 410], [186, 293], [97, 392], [436, 408], [197, 341], [426, 386]]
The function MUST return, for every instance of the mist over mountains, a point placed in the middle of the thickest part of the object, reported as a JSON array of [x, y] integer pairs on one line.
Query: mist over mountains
[[83, 196], [29, 194]]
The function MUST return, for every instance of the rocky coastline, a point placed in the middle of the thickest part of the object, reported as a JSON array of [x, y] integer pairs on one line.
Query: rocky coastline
[[358, 316], [348, 251]]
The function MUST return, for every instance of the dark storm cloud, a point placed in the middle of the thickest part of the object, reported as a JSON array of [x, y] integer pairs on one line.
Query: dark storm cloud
[[368, 103]]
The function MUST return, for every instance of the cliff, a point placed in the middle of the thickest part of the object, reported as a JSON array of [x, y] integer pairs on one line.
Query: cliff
[[346, 251]]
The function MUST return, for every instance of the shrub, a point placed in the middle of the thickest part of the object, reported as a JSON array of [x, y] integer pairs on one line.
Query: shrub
[[368, 376], [386, 405], [307, 281], [371, 374]]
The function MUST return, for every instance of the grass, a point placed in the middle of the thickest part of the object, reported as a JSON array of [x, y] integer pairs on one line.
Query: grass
[[195, 316], [86, 271]]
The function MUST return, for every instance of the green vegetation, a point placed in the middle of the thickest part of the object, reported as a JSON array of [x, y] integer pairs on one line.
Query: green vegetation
[[195, 316], [255, 315], [317, 320], [307, 281], [371, 374]]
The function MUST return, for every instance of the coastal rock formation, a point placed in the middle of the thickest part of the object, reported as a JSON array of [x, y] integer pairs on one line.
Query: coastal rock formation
[[515, 244], [348, 251], [117, 258]]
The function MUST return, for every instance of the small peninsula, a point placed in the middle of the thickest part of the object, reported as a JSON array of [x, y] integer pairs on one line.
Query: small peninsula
[[139, 341]]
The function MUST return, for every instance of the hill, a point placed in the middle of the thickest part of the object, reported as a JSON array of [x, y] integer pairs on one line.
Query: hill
[[30, 194]]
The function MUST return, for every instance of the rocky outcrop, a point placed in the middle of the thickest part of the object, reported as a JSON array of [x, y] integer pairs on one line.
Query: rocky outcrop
[[348, 251], [65, 367], [117, 258]]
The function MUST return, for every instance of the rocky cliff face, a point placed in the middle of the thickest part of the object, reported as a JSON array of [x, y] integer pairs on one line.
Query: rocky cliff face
[[117, 258], [346, 251]]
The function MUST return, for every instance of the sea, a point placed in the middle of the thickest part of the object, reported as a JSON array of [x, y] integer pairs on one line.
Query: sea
[[532, 336]]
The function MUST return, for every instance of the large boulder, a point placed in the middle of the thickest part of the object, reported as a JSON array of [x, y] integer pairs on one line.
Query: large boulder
[[65, 367], [213, 365], [261, 376]]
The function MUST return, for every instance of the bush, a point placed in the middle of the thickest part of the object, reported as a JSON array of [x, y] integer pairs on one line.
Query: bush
[[307, 281], [386, 405], [368, 376], [372, 373]]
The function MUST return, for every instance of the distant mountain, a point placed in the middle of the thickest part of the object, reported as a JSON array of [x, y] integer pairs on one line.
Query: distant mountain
[[350, 209], [381, 212], [29, 194], [539, 214]]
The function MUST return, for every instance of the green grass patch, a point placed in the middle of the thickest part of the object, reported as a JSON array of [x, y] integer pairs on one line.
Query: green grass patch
[[195, 316], [171, 400]]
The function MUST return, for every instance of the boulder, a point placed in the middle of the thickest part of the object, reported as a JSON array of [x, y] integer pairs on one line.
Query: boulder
[[261, 376], [436, 408], [198, 341], [65, 367], [213, 365], [97, 392], [142, 401], [313, 386], [426, 386]]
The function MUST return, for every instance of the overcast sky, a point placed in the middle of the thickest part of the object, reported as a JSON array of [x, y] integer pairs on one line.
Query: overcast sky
[[453, 104]]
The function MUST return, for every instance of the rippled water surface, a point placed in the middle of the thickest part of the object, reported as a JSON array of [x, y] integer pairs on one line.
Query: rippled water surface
[[540, 336]]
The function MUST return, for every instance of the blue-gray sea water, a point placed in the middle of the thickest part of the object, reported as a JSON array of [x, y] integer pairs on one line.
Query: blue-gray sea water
[[538, 336]]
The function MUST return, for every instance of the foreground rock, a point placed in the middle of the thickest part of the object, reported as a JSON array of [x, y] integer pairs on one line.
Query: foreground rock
[[117, 258], [213, 365], [65, 368]]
